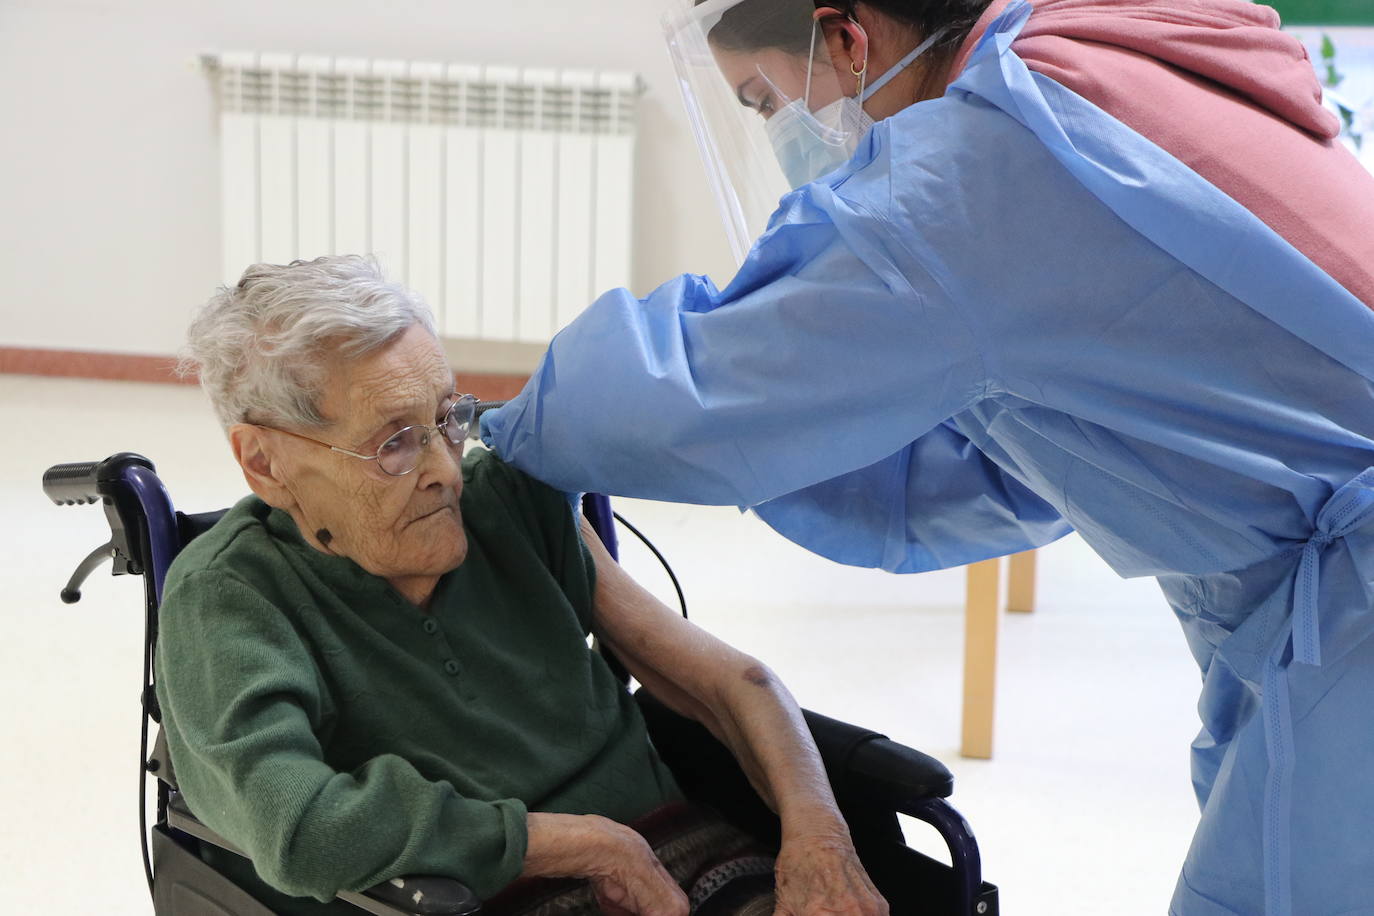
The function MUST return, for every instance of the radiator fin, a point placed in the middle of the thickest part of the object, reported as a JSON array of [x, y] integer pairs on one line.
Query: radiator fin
[[503, 195]]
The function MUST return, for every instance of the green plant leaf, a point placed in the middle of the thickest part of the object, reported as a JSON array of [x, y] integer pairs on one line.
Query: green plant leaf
[[1334, 77]]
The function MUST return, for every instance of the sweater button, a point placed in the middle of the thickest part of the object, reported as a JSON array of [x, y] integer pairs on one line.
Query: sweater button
[[430, 626], [451, 666]]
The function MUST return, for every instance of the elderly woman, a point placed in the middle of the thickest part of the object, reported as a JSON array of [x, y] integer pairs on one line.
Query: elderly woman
[[377, 664]]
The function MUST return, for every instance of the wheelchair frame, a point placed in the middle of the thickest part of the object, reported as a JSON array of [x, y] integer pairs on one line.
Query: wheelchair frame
[[873, 777]]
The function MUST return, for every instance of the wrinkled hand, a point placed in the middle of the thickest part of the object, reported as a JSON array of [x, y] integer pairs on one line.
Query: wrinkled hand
[[631, 881], [820, 875], [625, 875]]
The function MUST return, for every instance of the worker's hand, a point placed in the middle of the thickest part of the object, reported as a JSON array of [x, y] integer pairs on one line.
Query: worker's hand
[[626, 876], [820, 875]]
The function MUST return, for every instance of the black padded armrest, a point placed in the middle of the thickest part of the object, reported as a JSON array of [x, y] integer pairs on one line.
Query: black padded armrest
[[409, 896], [867, 765]]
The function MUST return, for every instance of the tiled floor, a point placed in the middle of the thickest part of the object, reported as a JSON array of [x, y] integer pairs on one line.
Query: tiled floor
[[1085, 809]]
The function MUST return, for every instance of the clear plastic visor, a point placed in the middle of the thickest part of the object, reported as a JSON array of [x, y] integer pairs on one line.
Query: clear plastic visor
[[769, 106]]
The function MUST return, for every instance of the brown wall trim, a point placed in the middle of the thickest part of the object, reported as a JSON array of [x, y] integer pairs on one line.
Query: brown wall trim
[[124, 367], [128, 367], [490, 387]]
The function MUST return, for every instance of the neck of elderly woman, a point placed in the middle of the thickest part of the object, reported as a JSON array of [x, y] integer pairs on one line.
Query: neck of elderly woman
[[416, 589]]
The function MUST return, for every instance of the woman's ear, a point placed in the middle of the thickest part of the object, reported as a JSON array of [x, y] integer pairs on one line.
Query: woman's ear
[[261, 461], [847, 43]]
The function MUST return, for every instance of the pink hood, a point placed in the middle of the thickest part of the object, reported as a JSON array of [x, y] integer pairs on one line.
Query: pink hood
[[1217, 85]]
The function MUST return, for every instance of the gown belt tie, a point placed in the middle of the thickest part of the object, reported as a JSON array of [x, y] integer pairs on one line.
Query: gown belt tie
[[1349, 508]]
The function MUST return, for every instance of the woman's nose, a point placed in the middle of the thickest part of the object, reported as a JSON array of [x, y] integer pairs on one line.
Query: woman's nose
[[451, 454]]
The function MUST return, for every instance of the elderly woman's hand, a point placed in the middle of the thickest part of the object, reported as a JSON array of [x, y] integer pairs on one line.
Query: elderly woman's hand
[[819, 874], [626, 876]]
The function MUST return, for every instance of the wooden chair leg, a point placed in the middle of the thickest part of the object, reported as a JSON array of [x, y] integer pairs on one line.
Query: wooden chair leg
[[1021, 582], [981, 613]]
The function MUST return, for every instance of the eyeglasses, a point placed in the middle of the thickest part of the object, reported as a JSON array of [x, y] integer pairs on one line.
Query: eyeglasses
[[400, 453]]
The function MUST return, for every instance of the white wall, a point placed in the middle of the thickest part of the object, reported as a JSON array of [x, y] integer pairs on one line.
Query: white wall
[[109, 163]]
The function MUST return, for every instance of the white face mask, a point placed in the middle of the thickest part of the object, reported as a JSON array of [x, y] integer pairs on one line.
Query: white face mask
[[811, 144], [805, 147]]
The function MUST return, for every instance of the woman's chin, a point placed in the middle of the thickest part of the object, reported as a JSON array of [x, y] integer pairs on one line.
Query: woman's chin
[[446, 542], [431, 545]]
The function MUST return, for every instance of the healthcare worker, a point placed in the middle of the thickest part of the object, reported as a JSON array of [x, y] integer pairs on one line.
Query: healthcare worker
[[1098, 265]]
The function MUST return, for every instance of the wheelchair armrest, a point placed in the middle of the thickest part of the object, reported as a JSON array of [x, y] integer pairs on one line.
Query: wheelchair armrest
[[866, 765], [866, 769], [407, 896]]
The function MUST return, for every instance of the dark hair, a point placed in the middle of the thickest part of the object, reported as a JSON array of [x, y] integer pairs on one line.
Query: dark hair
[[956, 17], [758, 24], [928, 16], [786, 24]]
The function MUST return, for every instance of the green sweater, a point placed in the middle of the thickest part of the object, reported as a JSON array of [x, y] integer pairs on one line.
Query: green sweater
[[341, 736]]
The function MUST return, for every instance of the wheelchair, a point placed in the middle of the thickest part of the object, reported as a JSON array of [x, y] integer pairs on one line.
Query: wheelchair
[[874, 778]]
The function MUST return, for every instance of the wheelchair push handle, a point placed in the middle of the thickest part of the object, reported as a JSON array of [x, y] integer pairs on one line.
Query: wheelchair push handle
[[71, 484], [80, 483], [482, 407]]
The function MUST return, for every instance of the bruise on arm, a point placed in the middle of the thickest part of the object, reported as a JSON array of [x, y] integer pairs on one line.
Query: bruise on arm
[[759, 676]]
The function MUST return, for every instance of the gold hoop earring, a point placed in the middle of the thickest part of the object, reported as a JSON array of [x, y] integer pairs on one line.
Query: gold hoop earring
[[859, 72]]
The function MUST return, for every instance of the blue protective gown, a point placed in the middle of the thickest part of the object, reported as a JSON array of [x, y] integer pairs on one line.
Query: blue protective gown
[[1011, 316]]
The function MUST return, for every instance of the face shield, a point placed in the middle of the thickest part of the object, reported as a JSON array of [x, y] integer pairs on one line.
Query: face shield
[[774, 91]]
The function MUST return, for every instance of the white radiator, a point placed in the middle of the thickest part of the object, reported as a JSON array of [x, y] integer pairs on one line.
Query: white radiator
[[503, 195]]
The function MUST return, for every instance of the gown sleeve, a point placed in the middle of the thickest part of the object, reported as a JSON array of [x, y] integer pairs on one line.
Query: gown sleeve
[[821, 358], [937, 503]]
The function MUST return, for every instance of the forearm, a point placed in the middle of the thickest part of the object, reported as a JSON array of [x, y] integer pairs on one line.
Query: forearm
[[735, 696], [569, 845], [817, 869], [752, 713], [763, 726]]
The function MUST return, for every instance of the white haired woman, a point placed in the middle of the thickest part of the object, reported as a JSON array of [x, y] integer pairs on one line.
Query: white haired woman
[[377, 664]]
